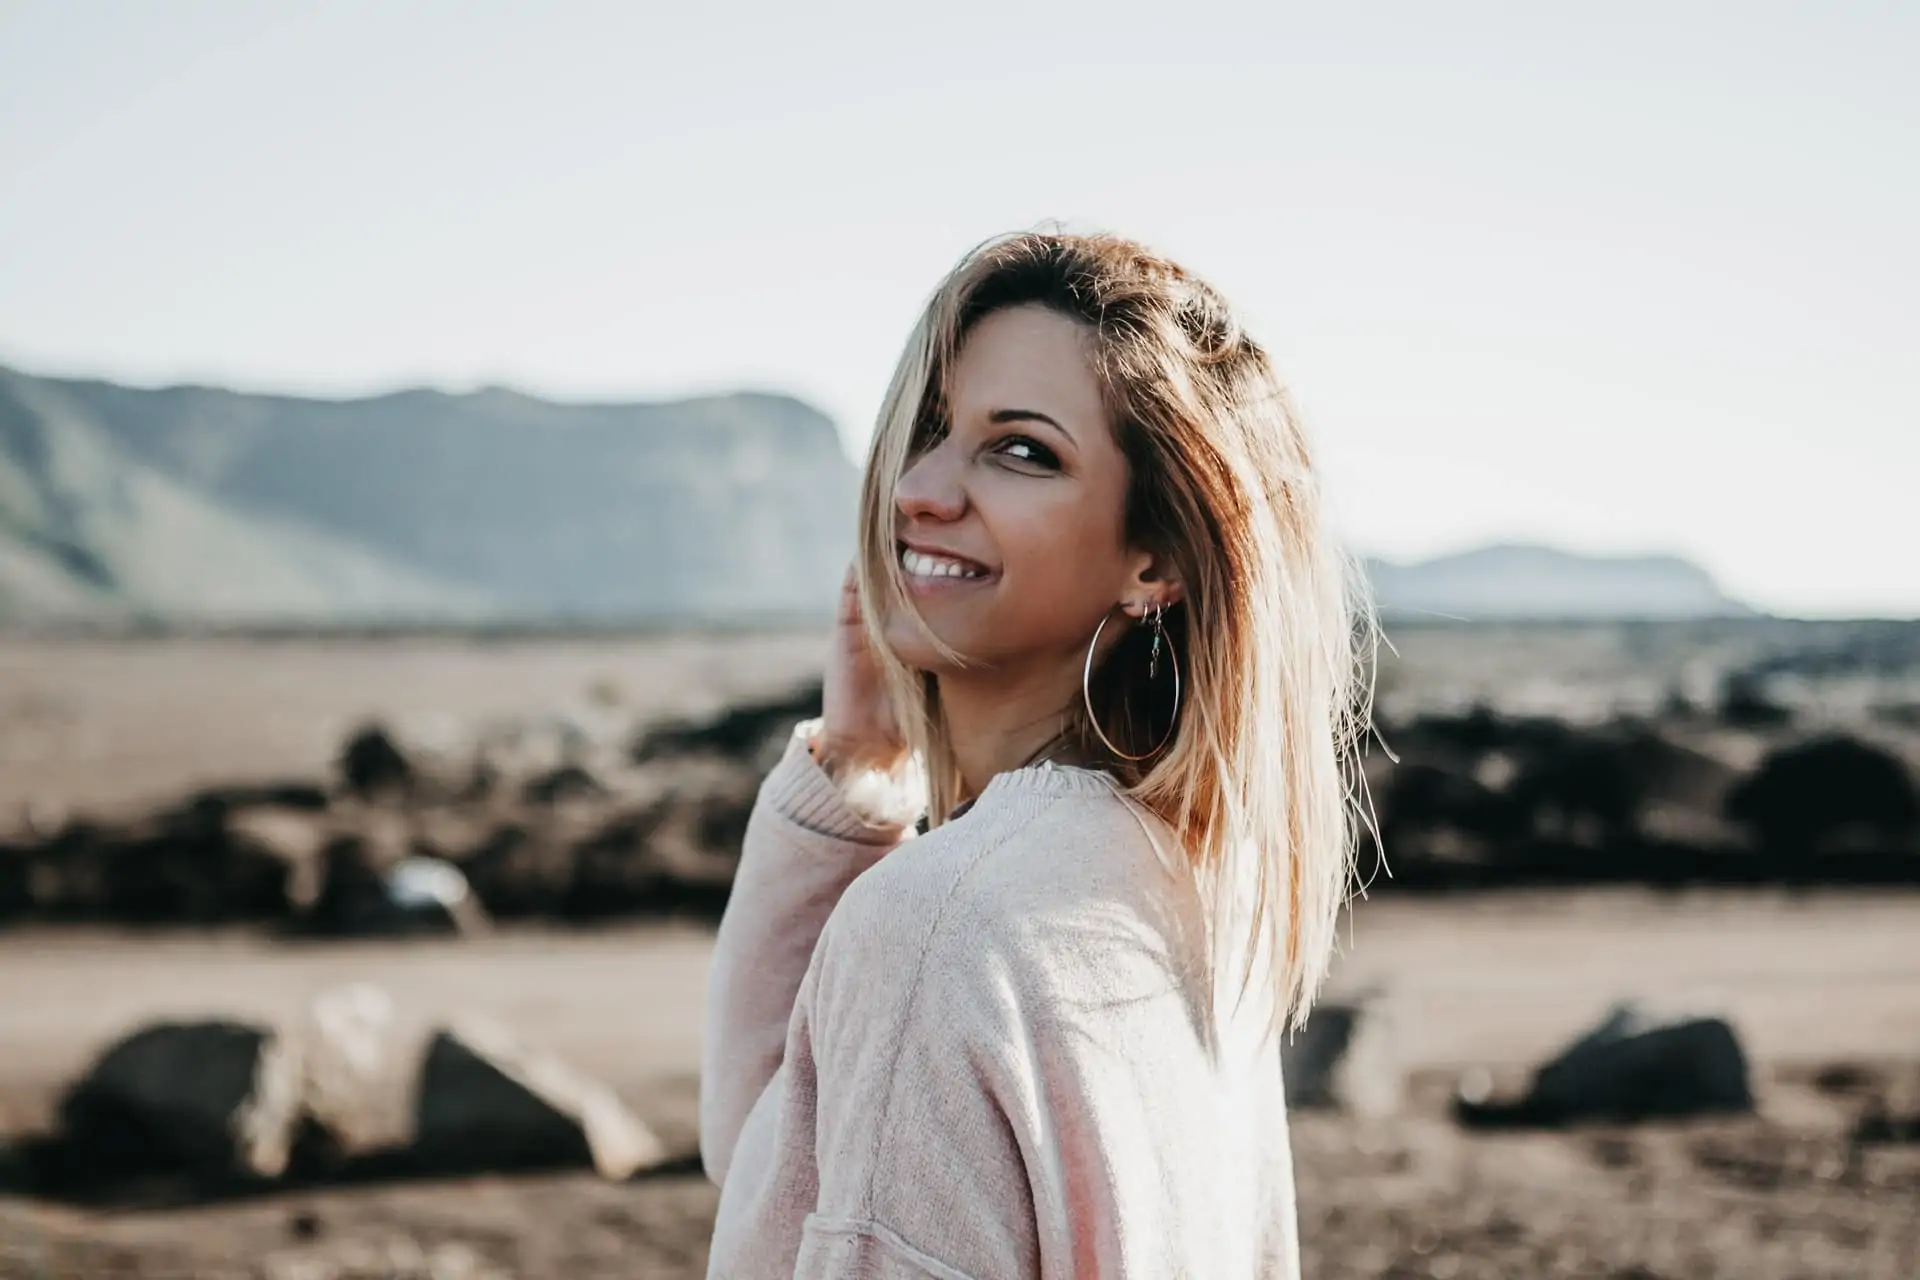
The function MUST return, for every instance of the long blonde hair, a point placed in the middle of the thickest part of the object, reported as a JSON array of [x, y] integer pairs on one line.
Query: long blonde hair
[[1275, 636]]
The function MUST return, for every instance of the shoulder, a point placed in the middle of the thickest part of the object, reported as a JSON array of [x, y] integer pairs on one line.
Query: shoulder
[[1051, 888]]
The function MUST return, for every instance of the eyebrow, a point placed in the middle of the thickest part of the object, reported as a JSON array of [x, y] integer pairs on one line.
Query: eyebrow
[[1000, 416]]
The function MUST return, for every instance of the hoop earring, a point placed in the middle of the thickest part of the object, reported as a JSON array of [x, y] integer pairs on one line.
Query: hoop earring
[[1153, 665]]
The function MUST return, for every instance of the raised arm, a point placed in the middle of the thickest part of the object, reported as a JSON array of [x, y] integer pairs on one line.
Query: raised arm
[[807, 838]]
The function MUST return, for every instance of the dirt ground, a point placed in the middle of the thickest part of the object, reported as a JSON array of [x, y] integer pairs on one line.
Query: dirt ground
[[93, 725], [1499, 980], [1814, 984]]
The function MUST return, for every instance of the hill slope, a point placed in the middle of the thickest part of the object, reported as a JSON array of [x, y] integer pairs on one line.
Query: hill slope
[[86, 531], [201, 504], [1511, 581]]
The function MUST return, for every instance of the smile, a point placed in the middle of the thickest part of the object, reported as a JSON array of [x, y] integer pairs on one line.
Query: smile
[[919, 564]]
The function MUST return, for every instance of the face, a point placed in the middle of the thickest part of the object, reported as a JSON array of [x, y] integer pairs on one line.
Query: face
[[1011, 525]]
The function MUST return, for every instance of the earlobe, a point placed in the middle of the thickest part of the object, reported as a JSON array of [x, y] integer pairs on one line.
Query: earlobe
[[1166, 597]]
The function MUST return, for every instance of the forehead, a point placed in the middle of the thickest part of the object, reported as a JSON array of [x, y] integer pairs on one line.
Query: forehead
[[1028, 357]]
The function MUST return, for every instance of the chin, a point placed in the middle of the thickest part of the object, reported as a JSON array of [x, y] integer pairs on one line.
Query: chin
[[911, 647]]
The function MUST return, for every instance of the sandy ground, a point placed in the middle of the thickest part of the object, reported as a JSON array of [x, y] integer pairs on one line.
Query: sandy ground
[[1831, 979], [98, 724], [1499, 980]]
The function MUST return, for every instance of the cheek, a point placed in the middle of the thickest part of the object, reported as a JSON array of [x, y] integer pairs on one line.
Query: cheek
[[1065, 560]]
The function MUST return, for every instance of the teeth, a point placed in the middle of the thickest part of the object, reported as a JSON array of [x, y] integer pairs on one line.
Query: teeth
[[926, 566]]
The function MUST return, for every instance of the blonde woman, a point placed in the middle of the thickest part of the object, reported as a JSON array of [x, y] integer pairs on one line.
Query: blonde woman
[[1098, 632]]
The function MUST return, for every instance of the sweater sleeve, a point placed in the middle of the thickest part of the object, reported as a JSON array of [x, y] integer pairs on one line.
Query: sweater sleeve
[[807, 838]]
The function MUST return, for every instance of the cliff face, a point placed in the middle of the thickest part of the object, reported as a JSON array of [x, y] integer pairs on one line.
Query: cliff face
[[197, 504]]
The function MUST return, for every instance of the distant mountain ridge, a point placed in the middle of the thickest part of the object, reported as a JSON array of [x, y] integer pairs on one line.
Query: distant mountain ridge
[[197, 504], [192, 505], [1513, 581]]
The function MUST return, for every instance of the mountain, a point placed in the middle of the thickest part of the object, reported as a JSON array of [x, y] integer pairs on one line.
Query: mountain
[[201, 505], [193, 504], [1513, 581]]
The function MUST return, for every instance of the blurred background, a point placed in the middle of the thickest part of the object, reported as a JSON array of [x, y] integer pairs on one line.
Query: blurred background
[[429, 436]]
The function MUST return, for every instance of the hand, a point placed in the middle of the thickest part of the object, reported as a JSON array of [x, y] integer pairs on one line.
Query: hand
[[859, 728]]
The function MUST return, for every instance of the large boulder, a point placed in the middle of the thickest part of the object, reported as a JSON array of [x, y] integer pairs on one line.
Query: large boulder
[[166, 1099], [1634, 1065], [487, 1100], [1824, 794], [386, 1090], [353, 1086]]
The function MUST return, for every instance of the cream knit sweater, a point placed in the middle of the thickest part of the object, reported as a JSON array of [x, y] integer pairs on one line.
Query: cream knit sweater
[[982, 1053]]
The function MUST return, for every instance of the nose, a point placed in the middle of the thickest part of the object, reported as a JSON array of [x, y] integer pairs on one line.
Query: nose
[[930, 488]]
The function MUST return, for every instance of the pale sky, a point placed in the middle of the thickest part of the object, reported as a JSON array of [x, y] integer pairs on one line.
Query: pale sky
[[1615, 277]]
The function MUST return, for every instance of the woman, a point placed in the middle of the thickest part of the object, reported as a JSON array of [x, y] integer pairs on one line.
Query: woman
[[1099, 632]]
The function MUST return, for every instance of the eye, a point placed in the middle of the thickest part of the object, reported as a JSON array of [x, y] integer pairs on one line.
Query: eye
[[1027, 449]]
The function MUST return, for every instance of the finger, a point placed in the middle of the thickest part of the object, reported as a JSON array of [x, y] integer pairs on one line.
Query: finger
[[849, 598]]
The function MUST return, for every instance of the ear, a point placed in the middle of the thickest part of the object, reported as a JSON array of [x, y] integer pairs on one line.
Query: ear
[[1154, 580]]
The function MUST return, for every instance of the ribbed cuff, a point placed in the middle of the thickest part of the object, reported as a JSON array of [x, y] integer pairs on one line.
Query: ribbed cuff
[[870, 807]]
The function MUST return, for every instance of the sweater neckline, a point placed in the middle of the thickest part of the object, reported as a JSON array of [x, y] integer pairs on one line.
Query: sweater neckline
[[1049, 777]]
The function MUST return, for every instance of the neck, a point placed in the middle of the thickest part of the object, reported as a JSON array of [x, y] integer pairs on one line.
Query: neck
[[996, 722]]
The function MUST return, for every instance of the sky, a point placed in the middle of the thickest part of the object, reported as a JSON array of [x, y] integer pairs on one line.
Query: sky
[[1619, 278]]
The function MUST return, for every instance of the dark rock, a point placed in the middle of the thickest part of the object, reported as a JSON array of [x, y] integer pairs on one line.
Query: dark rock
[[163, 1100], [180, 866], [1601, 784], [473, 1115], [1457, 741], [16, 883], [567, 782], [350, 887], [741, 733], [413, 896], [1805, 797], [1745, 702], [486, 1101], [372, 763], [354, 1091], [677, 856], [1423, 797], [1883, 1128], [1632, 1066], [1845, 1078], [400, 1095], [521, 869], [288, 794]]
